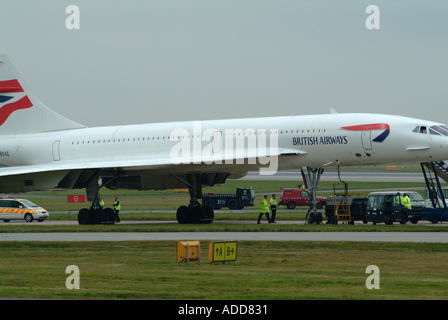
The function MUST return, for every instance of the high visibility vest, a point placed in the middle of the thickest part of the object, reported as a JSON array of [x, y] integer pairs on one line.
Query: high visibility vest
[[273, 202], [405, 201], [264, 206], [102, 204], [117, 205]]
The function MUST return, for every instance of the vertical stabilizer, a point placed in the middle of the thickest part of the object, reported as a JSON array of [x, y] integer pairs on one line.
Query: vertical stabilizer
[[21, 111]]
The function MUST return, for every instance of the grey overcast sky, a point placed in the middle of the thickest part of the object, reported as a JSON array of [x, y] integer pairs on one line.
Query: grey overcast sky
[[155, 61]]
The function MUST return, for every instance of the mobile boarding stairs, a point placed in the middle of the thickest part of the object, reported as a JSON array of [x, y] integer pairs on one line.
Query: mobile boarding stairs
[[433, 172]]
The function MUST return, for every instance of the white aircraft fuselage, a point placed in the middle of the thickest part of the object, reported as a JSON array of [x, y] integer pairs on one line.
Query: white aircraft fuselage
[[315, 141]]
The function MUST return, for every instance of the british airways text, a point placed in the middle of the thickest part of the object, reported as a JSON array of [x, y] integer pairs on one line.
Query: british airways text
[[309, 141]]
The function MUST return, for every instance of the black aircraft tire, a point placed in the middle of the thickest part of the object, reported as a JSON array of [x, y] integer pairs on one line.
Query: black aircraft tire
[[182, 215], [84, 216], [97, 216], [110, 214], [209, 214], [196, 215]]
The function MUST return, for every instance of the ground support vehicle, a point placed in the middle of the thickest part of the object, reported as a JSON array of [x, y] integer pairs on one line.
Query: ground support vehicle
[[439, 210], [244, 197], [21, 209], [434, 215], [292, 197], [386, 207], [345, 206], [357, 205], [378, 207]]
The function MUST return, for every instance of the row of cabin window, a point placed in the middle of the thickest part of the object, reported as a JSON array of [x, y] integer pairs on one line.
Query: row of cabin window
[[118, 140], [163, 138], [303, 131]]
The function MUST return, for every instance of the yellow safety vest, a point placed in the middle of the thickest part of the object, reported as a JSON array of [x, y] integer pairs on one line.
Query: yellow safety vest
[[273, 202], [405, 201], [264, 206], [117, 206]]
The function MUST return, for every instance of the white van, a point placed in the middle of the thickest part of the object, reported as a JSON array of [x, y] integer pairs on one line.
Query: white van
[[17, 209], [417, 201], [428, 202]]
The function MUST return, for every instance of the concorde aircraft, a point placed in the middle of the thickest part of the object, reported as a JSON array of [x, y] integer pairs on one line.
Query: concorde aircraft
[[44, 150]]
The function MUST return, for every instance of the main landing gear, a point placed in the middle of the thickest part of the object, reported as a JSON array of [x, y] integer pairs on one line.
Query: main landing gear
[[96, 214], [194, 213], [311, 179]]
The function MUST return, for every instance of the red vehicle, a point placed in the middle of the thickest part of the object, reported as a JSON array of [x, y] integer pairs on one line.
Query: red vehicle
[[299, 197]]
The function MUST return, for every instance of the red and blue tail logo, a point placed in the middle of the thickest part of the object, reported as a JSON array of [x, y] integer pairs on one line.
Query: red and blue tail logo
[[373, 126], [12, 98]]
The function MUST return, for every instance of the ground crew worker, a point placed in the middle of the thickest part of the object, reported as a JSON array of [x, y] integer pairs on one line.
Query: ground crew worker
[[273, 203], [117, 208], [397, 199], [264, 209], [406, 202], [101, 203]]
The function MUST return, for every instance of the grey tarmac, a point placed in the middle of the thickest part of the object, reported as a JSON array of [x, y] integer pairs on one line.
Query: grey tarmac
[[432, 237]]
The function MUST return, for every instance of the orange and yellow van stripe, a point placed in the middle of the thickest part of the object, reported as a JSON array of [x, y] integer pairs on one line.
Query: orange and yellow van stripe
[[18, 211]]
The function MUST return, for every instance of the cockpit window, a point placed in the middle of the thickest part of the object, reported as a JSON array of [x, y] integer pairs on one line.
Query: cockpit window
[[439, 130], [431, 131], [420, 129]]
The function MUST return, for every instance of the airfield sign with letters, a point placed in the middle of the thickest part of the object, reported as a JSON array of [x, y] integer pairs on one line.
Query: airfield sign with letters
[[222, 251]]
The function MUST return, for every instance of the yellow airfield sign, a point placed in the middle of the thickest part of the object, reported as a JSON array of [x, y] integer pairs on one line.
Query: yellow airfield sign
[[222, 251]]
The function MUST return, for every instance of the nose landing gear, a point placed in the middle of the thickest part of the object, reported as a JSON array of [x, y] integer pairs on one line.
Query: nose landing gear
[[311, 179]]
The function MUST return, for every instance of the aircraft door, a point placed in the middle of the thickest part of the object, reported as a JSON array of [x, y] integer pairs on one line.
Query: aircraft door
[[366, 138], [56, 155], [217, 141]]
